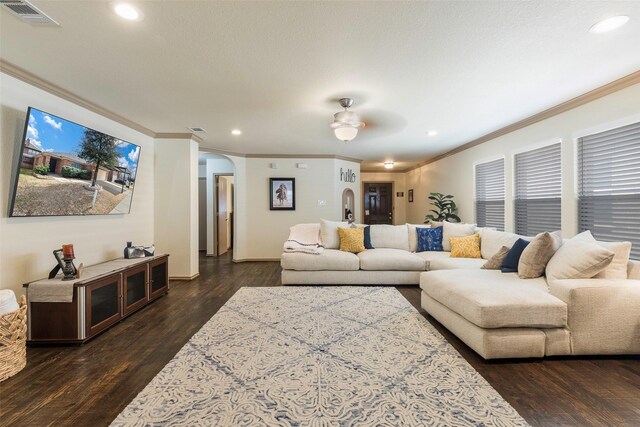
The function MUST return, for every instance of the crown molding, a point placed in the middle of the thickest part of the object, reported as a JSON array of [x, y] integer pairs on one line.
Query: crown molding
[[185, 135], [302, 156], [221, 152], [602, 91], [383, 171], [36, 81]]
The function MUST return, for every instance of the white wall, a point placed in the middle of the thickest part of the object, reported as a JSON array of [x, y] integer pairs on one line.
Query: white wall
[[176, 204], [345, 166], [454, 175], [399, 185], [26, 243], [260, 232]]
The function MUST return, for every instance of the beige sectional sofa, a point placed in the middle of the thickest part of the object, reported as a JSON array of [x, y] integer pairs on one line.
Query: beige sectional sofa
[[497, 314]]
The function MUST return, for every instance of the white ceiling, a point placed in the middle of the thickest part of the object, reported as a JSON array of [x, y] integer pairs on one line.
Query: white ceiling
[[274, 69]]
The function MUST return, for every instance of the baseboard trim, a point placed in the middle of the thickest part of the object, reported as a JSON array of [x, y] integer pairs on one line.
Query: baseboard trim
[[256, 260], [184, 277]]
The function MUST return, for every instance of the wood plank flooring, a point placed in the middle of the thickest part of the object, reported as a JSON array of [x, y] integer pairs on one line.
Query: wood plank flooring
[[89, 385]]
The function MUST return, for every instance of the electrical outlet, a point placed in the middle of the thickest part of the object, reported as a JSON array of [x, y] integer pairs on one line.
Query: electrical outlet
[[322, 203]]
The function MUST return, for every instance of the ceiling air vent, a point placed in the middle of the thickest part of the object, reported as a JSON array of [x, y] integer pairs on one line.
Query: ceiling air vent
[[197, 129], [27, 12]]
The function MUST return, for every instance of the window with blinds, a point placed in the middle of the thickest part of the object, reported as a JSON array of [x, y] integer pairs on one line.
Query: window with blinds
[[609, 185], [490, 194], [538, 190]]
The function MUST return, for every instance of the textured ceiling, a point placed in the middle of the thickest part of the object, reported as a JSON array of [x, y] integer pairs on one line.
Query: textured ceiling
[[275, 69]]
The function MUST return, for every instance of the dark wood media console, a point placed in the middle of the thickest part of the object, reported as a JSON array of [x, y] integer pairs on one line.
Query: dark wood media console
[[107, 294]]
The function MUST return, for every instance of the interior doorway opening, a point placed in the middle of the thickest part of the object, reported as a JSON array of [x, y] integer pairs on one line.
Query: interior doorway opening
[[223, 236], [216, 193]]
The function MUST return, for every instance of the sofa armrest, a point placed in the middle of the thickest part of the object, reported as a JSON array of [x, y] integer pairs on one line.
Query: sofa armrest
[[603, 314]]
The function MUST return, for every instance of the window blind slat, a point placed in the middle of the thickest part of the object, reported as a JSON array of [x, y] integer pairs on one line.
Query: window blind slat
[[490, 189], [609, 185], [538, 190]]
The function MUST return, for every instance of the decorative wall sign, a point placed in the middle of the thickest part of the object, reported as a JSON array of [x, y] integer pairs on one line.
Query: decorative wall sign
[[282, 194], [347, 176], [410, 196]]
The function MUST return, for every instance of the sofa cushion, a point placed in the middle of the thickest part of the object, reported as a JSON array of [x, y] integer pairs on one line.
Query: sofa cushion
[[435, 260], [491, 299], [390, 236], [331, 259], [385, 259], [351, 239], [580, 257], [618, 267], [367, 238], [429, 239], [451, 229], [495, 262], [492, 240], [511, 261], [329, 233], [413, 235], [537, 254], [465, 247]]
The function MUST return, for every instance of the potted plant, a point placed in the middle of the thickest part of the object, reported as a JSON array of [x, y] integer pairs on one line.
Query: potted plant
[[445, 208]]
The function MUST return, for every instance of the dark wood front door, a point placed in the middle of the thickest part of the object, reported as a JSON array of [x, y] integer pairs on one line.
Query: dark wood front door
[[378, 203]]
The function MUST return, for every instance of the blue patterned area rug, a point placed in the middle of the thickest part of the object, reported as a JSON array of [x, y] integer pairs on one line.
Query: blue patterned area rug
[[318, 356]]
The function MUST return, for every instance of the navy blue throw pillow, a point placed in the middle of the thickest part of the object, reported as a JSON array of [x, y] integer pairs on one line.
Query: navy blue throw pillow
[[510, 262], [429, 239], [367, 238]]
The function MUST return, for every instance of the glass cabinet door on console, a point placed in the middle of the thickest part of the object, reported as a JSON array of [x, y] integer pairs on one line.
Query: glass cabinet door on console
[[134, 289], [159, 283], [103, 300]]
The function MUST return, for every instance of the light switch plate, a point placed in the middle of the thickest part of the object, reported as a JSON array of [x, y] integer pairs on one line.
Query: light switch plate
[[322, 203]]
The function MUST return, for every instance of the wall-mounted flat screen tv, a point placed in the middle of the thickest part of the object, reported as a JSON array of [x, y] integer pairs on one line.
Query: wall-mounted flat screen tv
[[64, 168]]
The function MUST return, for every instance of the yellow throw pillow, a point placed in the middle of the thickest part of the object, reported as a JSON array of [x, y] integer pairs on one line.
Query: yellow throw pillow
[[465, 247], [351, 239]]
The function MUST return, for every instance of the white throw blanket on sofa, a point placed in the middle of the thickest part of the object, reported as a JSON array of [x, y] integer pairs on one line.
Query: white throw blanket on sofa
[[304, 238]]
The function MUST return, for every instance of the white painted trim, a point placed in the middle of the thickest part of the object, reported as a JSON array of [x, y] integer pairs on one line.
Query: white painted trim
[[603, 127], [535, 146]]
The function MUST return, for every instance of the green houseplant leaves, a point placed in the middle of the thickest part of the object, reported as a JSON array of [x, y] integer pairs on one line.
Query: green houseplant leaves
[[445, 208]]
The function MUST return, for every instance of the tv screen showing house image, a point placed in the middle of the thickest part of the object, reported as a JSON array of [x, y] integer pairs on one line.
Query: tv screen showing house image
[[68, 169]]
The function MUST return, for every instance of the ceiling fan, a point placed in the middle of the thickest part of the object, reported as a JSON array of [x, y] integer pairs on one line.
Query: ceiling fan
[[346, 123]]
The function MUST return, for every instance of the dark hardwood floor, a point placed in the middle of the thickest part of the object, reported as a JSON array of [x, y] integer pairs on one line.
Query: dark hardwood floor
[[89, 385]]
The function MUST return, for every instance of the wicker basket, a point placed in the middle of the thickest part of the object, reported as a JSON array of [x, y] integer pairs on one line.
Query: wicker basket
[[13, 341]]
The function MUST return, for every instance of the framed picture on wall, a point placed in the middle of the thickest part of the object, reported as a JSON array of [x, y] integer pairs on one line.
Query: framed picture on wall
[[410, 196], [282, 194]]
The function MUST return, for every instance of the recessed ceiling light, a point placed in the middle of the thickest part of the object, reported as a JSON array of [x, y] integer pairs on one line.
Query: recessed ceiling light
[[388, 165], [609, 24], [236, 132], [432, 133], [128, 11]]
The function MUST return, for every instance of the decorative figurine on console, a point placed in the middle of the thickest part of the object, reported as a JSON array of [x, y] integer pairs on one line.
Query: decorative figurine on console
[[65, 257], [138, 251]]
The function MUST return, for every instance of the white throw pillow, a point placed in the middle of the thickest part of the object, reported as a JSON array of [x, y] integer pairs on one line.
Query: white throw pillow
[[329, 233], [579, 258], [390, 236], [451, 229], [413, 235], [492, 240], [618, 267]]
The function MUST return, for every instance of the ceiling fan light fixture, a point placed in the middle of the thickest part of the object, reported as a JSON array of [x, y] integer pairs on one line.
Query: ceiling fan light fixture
[[346, 133], [346, 123]]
